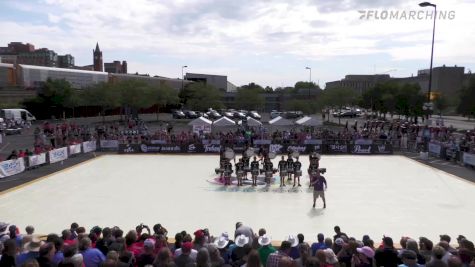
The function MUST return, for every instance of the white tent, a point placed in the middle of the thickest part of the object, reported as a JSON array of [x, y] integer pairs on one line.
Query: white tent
[[309, 121], [223, 122], [279, 121], [201, 125], [251, 122]]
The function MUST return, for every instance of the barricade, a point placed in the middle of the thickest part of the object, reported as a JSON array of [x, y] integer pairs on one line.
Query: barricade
[[12, 167]]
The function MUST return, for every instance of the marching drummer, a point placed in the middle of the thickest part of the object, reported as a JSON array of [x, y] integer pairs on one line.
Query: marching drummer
[[290, 166], [269, 169], [228, 170], [282, 170], [297, 168], [254, 171], [239, 171], [222, 162]]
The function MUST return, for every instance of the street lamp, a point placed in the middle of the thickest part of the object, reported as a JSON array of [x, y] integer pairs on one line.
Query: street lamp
[[427, 4], [310, 80], [182, 77]]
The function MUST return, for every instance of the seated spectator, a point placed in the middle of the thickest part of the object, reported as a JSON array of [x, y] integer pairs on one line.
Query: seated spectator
[[438, 253], [242, 249], [214, 256], [282, 254], [318, 245], [12, 155], [71, 257], [294, 251], [305, 253], [202, 259], [222, 244], [363, 258], [253, 259]]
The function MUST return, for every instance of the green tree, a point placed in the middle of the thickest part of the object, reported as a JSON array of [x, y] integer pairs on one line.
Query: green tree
[[103, 95], [306, 85], [250, 98], [441, 103], [338, 97], [466, 106], [200, 96], [165, 95]]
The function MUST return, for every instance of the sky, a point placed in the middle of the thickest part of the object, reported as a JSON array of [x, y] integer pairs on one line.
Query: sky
[[269, 42]]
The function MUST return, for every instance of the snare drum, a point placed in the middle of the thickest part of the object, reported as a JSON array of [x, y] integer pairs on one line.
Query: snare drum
[[255, 172], [268, 174], [217, 170], [240, 173], [298, 173], [283, 173], [247, 169]]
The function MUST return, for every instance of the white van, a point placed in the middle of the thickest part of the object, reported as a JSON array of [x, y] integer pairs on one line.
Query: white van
[[16, 114]]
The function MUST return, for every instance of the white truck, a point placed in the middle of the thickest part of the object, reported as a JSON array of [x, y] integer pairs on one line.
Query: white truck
[[17, 114]]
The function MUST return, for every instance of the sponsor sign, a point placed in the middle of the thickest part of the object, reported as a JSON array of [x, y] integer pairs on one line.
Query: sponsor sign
[[468, 158], [337, 148], [74, 149], [314, 148], [36, 160], [276, 148], [89, 146], [128, 149], [382, 149], [300, 149], [360, 149], [212, 148], [158, 142], [58, 154], [435, 149], [211, 142], [193, 148], [109, 143], [262, 142], [11, 167], [171, 149]]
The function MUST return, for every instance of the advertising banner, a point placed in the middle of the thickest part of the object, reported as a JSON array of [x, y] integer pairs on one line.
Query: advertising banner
[[129, 149], [89, 146], [468, 158], [262, 142], [212, 148], [337, 148], [58, 154], [360, 149], [363, 142], [109, 143], [382, 149], [313, 142], [36, 160], [74, 149], [11, 167], [435, 149]]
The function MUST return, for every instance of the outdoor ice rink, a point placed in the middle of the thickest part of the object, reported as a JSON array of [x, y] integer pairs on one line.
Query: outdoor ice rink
[[374, 195]]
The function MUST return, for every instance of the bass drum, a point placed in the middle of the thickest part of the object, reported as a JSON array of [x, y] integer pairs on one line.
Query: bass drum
[[240, 173], [298, 173], [255, 172], [229, 153], [249, 152], [283, 173]]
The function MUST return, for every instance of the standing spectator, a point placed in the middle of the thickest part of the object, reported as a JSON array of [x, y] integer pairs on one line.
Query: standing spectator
[[411, 244], [30, 230], [253, 259], [184, 259], [164, 259], [409, 259], [282, 254], [294, 251], [214, 256], [425, 246], [242, 229], [436, 260], [318, 245], [32, 249], [8, 254], [199, 239], [92, 256], [363, 258], [71, 257], [202, 259], [47, 252], [338, 232], [305, 253], [386, 255], [103, 243], [147, 256]]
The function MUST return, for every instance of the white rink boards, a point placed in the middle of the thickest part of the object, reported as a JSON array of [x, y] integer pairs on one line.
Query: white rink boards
[[374, 195]]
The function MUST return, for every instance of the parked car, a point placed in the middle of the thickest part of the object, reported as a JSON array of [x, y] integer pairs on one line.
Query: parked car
[[274, 114], [202, 114], [347, 113], [213, 114], [229, 113], [178, 114], [293, 114], [190, 114], [253, 114], [239, 115]]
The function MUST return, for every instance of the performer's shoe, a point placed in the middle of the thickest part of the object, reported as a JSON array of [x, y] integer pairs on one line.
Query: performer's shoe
[[300, 185], [313, 205], [324, 206]]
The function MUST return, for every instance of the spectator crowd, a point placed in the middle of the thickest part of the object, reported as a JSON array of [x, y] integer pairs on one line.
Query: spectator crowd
[[107, 247]]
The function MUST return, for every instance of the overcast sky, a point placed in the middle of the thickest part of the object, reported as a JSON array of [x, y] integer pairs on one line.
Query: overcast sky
[[267, 42]]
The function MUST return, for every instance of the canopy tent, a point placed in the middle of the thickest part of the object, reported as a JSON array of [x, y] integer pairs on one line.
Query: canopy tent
[[251, 122], [279, 121], [201, 125], [309, 121], [224, 122]]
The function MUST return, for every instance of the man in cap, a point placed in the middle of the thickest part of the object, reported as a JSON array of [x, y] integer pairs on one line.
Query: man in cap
[[409, 259], [275, 258], [147, 256], [266, 248], [242, 229], [319, 184], [184, 259], [32, 251]]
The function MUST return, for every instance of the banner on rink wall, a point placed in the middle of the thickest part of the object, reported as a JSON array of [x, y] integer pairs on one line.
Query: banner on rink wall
[[89, 146], [262, 142], [36, 160], [382, 148], [435, 149], [313, 142], [363, 142], [361, 149], [11, 167], [58, 154], [74, 149], [109, 144], [337, 148], [468, 158]]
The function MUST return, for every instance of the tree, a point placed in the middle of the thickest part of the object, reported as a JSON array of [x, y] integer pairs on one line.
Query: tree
[[466, 106], [338, 97], [165, 95], [249, 98], [306, 85], [441, 103], [200, 96]]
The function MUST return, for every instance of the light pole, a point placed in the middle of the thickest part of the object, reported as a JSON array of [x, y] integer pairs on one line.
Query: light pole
[[182, 77], [310, 80], [427, 4]]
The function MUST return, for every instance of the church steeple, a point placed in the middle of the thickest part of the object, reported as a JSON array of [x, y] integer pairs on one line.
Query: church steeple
[[97, 56]]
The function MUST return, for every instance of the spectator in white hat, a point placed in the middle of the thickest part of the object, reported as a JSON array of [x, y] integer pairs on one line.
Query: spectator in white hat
[[294, 242], [242, 249], [266, 248], [222, 246]]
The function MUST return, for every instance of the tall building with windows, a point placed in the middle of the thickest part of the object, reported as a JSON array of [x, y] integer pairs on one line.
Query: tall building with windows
[[116, 67], [66, 61], [97, 55]]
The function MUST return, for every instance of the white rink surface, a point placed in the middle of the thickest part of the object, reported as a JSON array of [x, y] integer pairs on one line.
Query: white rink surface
[[373, 195]]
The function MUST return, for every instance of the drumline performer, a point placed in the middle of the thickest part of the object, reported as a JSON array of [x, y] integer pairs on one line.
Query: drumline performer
[[282, 170], [297, 168], [254, 171], [290, 166], [228, 170], [268, 168], [239, 171]]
